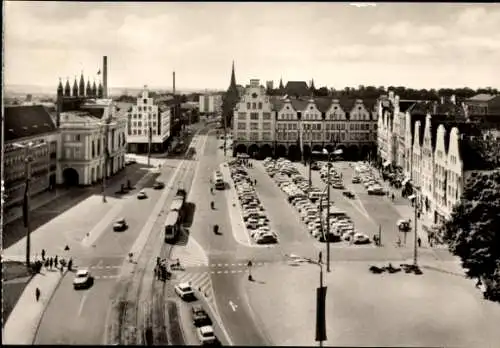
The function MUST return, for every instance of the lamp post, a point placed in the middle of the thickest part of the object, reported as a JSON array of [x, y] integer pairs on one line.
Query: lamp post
[[415, 234], [321, 299], [28, 158], [329, 165]]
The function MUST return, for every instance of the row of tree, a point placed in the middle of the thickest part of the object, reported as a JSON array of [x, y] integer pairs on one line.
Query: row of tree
[[372, 92]]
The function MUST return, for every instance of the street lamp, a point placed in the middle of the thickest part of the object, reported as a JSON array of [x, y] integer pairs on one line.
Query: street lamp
[[321, 296], [415, 235], [28, 158]]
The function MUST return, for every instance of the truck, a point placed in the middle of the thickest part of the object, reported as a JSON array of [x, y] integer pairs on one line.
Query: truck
[[175, 216]]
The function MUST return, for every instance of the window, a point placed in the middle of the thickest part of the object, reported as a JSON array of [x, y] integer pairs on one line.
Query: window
[[266, 116], [254, 136], [242, 125], [139, 108], [266, 136], [242, 115], [254, 126], [139, 132], [248, 105], [266, 125], [254, 116], [260, 105], [77, 137], [254, 106], [144, 101]]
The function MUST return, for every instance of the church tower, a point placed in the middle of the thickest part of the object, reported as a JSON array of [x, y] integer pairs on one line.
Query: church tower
[[75, 88], [230, 99], [67, 89], [81, 89], [88, 91], [281, 84]]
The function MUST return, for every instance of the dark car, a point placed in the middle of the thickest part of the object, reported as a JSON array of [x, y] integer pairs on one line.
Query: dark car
[[120, 225], [199, 316], [158, 185], [315, 166], [348, 194]]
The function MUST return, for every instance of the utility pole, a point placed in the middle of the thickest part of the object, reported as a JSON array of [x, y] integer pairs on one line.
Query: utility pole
[[150, 135], [106, 159]]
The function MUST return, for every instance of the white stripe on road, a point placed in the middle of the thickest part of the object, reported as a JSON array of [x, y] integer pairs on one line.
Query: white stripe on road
[[82, 302]]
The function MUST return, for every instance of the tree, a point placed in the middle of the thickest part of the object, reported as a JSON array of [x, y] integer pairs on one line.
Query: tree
[[473, 233], [322, 92]]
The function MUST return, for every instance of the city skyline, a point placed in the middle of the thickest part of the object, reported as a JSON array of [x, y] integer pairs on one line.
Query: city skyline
[[337, 45]]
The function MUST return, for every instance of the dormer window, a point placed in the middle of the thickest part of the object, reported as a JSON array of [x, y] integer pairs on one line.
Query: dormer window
[[311, 107]]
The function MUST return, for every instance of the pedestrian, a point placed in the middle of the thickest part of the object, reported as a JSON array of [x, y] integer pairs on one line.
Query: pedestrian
[[392, 197], [51, 261], [43, 254], [419, 241], [55, 261], [255, 182], [46, 263], [70, 264], [37, 294]]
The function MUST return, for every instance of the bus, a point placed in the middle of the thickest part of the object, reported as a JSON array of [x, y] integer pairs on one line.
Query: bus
[[218, 181], [172, 226]]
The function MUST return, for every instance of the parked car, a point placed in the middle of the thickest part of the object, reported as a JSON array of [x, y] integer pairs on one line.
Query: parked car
[[184, 291], [120, 225], [360, 238], [348, 194], [82, 279]]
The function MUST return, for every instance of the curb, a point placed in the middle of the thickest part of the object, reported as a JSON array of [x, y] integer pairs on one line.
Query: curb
[[47, 305]]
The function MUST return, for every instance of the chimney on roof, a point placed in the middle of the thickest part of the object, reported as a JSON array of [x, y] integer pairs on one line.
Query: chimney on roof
[[105, 76], [442, 100]]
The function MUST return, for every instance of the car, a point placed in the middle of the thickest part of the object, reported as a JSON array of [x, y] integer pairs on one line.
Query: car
[[355, 180], [120, 225], [142, 195], [348, 194], [82, 279], [404, 225], [184, 290], [360, 238], [199, 316], [130, 161], [158, 185], [206, 334], [252, 223]]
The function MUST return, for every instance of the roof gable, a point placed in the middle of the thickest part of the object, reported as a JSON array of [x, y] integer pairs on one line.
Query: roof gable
[[27, 121]]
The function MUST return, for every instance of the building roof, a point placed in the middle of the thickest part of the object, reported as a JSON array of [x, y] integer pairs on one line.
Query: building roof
[[27, 121], [323, 103], [297, 88], [405, 105], [482, 97], [299, 104]]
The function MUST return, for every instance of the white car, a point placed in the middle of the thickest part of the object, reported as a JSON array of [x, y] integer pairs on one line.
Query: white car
[[82, 279], [184, 290], [360, 238], [206, 334], [142, 195]]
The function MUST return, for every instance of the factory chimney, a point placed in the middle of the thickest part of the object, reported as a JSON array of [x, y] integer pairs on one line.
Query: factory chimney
[[173, 82], [105, 76]]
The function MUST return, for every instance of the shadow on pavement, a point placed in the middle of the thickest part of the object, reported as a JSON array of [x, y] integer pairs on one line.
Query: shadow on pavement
[[190, 209], [15, 230], [183, 237], [174, 327]]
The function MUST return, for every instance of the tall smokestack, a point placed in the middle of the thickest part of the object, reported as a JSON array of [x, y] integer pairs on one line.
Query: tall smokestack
[[105, 76], [173, 82]]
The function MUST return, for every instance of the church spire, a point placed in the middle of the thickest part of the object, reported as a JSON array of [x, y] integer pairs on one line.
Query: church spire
[[60, 90], [67, 88], [233, 78], [88, 91], [281, 83], [81, 88], [75, 88]]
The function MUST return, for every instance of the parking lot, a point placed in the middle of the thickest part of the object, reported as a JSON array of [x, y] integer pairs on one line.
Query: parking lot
[[310, 203], [253, 212]]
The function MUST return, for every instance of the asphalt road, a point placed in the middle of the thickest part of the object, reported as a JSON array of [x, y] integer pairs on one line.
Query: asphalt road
[[81, 318]]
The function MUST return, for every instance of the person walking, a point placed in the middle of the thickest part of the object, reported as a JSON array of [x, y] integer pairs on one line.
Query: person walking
[[55, 261], [70, 264], [37, 294], [51, 261], [43, 254], [419, 242]]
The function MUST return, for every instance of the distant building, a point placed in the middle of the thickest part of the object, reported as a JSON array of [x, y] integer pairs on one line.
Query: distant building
[[270, 85], [23, 125], [145, 122], [210, 104]]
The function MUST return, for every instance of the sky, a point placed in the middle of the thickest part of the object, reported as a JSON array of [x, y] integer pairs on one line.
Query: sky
[[419, 45]]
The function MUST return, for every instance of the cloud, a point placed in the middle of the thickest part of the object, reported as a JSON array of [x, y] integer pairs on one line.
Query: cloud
[[363, 4], [380, 53], [407, 30]]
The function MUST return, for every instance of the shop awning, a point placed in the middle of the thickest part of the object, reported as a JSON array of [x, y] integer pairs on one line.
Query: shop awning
[[412, 197], [386, 163]]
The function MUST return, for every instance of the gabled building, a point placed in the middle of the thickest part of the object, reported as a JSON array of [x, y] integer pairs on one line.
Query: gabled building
[[303, 124]]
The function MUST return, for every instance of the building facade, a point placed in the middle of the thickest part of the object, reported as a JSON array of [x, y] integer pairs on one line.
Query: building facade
[[147, 124], [210, 104], [295, 126], [93, 141], [26, 125]]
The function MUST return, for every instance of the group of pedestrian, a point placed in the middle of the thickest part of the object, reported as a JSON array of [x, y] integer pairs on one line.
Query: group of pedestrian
[[56, 262], [161, 269]]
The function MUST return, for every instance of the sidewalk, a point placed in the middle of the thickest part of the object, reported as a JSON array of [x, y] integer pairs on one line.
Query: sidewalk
[[22, 324]]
